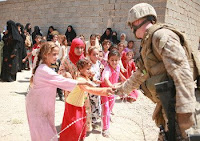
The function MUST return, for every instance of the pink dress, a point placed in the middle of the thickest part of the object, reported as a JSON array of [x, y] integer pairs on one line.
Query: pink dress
[[108, 102], [40, 102]]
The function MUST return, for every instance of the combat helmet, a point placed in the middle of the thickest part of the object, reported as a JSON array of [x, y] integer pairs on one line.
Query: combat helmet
[[139, 11]]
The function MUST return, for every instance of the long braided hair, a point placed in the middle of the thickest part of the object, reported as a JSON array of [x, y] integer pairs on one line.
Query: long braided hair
[[46, 48]]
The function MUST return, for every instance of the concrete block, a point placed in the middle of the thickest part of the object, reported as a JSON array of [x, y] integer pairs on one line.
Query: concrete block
[[109, 7]]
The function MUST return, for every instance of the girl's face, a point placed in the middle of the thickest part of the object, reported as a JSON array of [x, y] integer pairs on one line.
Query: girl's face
[[121, 48], [94, 56], [130, 45], [37, 40], [92, 41], [106, 46], [52, 57], [129, 56], [79, 50], [55, 38], [122, 37], [114, 61], [100, 56], [69, 29], [85, 71]]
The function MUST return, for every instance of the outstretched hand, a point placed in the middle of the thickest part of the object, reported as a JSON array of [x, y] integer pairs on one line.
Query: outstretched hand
[[110, 91], [84, 82], [117, 89]]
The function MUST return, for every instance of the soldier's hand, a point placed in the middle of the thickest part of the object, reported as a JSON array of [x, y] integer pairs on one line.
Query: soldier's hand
[[118, 89], [185, 120]]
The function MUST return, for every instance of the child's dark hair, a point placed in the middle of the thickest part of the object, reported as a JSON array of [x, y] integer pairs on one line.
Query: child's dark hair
[[131, 41], [105, 42], [92, 35], [82, 63], [38, 36], [113, 47], [113, 53]]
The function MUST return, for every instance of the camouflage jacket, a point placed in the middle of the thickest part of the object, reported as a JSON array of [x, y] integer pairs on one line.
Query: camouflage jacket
[[170, 59]]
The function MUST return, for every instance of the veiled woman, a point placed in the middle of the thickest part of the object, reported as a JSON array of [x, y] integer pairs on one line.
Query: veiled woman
[[12, 40]]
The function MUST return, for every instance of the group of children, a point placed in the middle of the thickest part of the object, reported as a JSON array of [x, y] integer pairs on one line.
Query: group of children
[[91, 99]]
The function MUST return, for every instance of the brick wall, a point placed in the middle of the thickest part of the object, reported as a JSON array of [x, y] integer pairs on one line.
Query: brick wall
[[184, 14]]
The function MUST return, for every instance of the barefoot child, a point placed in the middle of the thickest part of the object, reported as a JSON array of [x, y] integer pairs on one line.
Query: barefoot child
[[110, 76], [74, 107], [40, 101]]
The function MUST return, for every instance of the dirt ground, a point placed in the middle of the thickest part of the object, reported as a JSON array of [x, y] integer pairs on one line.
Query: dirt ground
[[131, 122]]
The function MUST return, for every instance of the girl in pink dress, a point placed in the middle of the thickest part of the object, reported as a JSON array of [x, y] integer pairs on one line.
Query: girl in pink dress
[[40, 101], [110, 76]]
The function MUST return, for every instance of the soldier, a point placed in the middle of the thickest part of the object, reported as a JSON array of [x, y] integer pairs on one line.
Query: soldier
[[162, 57]]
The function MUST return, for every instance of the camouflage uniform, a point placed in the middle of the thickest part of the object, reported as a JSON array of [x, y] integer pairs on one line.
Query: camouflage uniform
[[164, 58]]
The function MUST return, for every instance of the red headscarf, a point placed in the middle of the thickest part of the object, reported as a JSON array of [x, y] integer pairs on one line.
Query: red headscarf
[[72, 56]]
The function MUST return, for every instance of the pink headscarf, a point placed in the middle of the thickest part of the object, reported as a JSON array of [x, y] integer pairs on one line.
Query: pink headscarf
[[72, 56]]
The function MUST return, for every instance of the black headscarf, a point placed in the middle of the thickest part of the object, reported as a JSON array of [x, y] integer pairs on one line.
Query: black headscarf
[[12, 29], [28, 29], [36, 32], [70, 35], [107, 37]]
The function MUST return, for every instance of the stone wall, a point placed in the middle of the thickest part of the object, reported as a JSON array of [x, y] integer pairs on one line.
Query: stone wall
[[93, 16], [184, 14], [86, 16]]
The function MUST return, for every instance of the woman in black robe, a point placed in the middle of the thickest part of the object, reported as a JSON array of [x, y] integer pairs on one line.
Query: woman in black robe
[[115, 41], [70, 34], [21, 49], [36, 32], [12, 41], [106, 35]]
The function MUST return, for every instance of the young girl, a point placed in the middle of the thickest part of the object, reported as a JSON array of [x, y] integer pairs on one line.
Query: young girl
[[106, 45], [130, 67], [110, 76], [95, 102], [36, 46], [40, 101], [63, 45], [74, 107], [130, 46]]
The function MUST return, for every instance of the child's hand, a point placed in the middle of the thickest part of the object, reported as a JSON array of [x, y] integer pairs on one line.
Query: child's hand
[[97, 81], [110, 91], [24, 60]]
